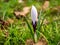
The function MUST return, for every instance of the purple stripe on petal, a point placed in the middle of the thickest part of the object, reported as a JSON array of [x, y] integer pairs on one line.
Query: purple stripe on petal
[[34, 26]]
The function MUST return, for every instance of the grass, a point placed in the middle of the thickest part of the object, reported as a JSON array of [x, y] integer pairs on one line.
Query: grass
[[21, 30]]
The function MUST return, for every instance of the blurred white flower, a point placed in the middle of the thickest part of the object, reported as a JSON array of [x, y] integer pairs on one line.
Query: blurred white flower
[[34, 14]]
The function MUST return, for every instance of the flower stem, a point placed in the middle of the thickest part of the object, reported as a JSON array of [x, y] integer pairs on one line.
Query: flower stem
[[35, 37]]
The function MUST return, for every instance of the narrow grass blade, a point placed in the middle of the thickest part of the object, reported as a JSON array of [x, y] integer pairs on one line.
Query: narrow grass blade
[[31, 31], [42, 35], [38, 24]]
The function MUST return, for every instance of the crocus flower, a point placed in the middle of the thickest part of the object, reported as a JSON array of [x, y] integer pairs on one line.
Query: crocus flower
[[34, 16]]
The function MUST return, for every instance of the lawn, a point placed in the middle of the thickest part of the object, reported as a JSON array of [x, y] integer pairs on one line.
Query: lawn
[[16, 24]]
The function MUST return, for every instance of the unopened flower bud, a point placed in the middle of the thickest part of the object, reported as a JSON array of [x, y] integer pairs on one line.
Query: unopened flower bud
[[34, 14]]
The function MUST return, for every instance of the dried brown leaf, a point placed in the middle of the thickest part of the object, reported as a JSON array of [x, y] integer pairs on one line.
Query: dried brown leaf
[[41, 41], [20, 1], [4, 24], [55, 10], [45, 5], [22, 13], [10, 20], [29, 42]]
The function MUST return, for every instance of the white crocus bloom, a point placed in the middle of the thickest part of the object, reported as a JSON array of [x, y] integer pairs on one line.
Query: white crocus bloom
[[34, 14]]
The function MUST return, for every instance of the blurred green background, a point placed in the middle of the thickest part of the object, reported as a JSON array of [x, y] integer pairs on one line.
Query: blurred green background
[[14, 29]]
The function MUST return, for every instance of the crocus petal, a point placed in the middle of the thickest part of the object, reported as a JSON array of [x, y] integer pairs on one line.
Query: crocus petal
[[34, 14]]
